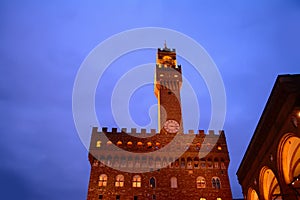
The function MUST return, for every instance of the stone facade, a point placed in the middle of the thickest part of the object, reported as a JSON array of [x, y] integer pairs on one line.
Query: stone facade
[[205, 156], [164, 164]]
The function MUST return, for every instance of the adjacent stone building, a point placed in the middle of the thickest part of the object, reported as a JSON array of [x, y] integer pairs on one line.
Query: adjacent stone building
[[164, 164], [270, 168]]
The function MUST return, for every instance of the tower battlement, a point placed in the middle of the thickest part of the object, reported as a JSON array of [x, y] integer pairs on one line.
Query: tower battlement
[[142, 131]]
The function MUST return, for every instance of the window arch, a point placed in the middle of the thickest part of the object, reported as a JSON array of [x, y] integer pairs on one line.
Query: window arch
[[173, 182], [119, 143], [102, 180], [152, 182], [200, 182], [119, 181], [268, 183], [216, 183], [196, 162], [182, 162], [137, 181], [289, 156], [252, 195]]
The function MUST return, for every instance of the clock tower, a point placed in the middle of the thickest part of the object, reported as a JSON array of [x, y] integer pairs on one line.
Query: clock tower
[[168, 81]]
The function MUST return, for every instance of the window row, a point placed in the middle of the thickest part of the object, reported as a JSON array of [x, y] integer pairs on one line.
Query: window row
[[137, 181], [157, 145], [188, 163]]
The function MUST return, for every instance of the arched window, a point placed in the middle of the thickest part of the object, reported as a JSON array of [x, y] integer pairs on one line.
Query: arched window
[[216, 183], [182, 163], [209, 163], [252, 195], [119, 143], [152, 182], [98, 143], [136, 181], [289, 156], [119, 181], [201, 198], [200, 182], [189, 163], [216, 163], [173, 182], [196, 162], [102, 180], [269, 185]]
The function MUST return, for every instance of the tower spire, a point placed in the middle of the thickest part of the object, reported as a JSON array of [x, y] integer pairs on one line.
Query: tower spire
[[165, 45]]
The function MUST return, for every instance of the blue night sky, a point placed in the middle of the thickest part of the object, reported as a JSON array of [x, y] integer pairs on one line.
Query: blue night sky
[[44, 43]]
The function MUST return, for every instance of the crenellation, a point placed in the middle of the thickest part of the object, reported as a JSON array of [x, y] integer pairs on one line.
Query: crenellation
[[145, 132], [124, 130]]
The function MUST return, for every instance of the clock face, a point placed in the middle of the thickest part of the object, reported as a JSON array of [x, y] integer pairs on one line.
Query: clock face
[[171, 126]]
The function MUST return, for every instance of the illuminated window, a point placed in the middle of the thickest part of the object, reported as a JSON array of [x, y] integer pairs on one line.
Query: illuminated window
[[119, 143], [149, 144], [175, 75], [173, 182], [98, 144], [202, 198], [252, 195], [219, 198], [102, 180], [129, 144], [140, 144], [152, 182], [108, 142], [157, 145], [136, 181], [219, 148], [119, 181], [200, 181], [161, 75]]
